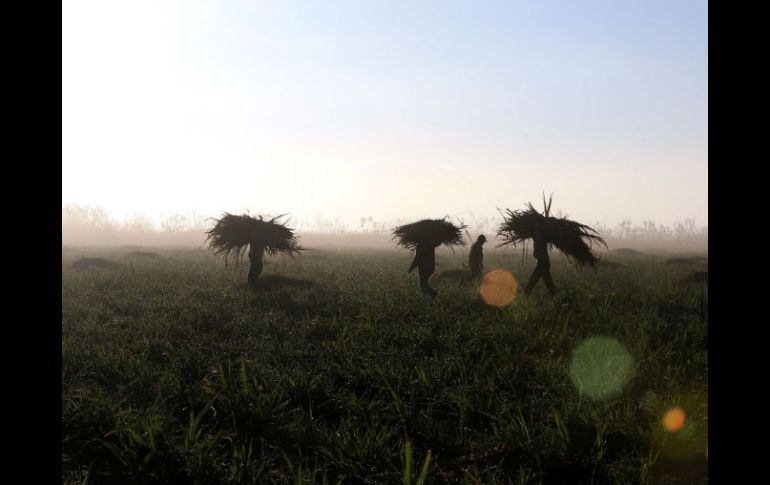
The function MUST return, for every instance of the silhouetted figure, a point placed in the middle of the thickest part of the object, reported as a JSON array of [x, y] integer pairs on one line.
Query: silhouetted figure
[[543, 268], [476, 258], [425, 262], [570, 237], [423, 237], [232, 234], [256, 253]]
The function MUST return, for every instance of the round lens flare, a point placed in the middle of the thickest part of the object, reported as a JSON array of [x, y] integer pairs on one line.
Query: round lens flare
[[674, 419], [681, 434], [498, 288], [601, 367]]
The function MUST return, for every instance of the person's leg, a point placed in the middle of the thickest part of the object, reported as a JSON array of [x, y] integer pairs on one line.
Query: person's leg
[[424, 286], [547, 278], [534, 279], [255, 269]]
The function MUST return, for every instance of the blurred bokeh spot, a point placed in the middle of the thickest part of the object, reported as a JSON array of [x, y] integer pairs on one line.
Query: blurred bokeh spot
[[498, 288], [682, 432], [674, 419], [601, 367]]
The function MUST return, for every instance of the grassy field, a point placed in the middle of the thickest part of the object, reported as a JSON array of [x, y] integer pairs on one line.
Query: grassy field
[[343, 372]]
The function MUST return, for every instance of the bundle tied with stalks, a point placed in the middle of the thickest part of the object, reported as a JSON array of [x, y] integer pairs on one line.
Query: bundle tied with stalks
[[232, 235], [429, 231], [571, 238]]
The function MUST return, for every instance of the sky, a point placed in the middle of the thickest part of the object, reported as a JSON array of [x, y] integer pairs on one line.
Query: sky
[[390, 110]]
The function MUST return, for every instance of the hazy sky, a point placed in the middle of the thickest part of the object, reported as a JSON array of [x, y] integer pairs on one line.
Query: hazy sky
[[386, 109]]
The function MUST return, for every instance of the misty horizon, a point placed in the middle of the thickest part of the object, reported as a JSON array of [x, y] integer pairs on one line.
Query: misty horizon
[[84, 226], [323, 223]]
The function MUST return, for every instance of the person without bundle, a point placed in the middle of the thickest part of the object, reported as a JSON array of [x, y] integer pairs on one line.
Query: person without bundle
[[476, 258], [424, 237], [570, 237]]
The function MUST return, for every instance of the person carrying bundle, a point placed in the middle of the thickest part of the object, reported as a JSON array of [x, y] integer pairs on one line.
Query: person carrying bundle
[[425, 262], [232, 235], [570, 237], [543, 268], [424, 237]]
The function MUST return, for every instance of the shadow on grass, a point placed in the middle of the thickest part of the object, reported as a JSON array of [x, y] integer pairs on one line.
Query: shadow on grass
[[278, 282], [699, 277], [92, 263], [603, 263], [461, 277]]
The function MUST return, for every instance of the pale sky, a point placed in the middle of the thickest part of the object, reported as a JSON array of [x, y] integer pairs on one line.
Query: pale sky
[[389, 109]]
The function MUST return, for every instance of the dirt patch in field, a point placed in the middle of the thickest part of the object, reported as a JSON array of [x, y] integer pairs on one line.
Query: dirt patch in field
[[608, 264], [696, 278], [627, 252], [681, 261], [92, 263], [143, 255]]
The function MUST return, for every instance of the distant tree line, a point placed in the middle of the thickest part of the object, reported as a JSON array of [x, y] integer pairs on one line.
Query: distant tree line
[[93, 226]]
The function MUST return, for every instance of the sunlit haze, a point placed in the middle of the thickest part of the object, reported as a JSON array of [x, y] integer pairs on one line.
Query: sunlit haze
[[391, 109]]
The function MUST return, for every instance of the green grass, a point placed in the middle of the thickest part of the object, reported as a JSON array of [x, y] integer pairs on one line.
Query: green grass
[[173, 372]]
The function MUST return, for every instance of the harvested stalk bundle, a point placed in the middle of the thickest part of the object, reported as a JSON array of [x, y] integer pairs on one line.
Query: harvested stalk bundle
[[571, 238], [232, 235], [433, 232]]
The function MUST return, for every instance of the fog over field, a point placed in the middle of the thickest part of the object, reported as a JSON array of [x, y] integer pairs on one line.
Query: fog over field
[[83, 226]]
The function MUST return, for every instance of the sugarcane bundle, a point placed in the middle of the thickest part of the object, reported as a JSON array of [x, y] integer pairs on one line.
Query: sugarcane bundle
[[233, 234], [431, 232], [571, 238]]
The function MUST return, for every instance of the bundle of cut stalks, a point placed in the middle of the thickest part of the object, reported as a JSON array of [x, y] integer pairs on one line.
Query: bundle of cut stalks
[[570, 237], [429, 231], [232, 235]]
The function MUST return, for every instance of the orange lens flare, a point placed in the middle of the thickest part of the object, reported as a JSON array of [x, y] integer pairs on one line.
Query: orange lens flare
[[674, 420], [498, 288]]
